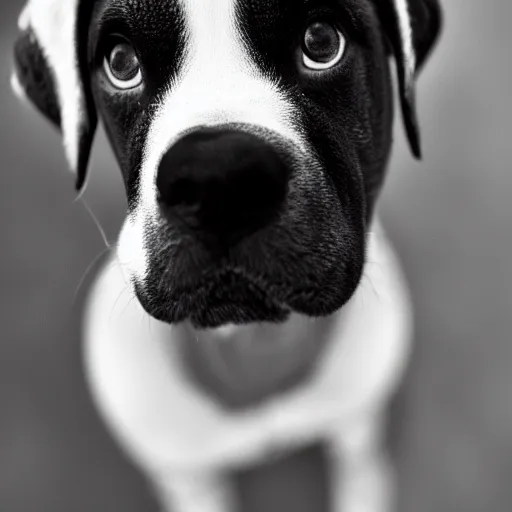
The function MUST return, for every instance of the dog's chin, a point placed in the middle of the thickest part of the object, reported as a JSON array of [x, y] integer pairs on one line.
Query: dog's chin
[[214, 304], [232, 298]]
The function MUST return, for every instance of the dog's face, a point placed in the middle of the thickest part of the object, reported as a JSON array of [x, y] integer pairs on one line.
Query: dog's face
[[249, 135], [252, 136]]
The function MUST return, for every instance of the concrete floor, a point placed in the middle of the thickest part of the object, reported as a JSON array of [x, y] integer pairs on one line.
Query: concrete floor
[[450, 218]]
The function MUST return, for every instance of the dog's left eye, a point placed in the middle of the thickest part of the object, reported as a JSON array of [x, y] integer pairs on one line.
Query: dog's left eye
[[122, 66], [323, 45]]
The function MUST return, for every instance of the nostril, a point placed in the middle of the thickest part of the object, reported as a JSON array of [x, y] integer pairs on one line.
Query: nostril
[[184, 192]]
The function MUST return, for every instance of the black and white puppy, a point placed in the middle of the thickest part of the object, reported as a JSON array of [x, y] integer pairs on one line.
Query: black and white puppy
[[253, 138]]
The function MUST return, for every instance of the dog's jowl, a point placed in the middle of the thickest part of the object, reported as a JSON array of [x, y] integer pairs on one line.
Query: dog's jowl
[[270, 316]]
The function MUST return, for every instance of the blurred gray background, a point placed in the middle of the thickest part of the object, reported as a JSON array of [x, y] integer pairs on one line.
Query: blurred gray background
[[450, 218]]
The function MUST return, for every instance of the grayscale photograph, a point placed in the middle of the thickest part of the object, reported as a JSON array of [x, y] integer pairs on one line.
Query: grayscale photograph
[[254, 256]]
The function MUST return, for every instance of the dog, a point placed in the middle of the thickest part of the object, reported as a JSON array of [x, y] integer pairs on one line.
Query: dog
[[253, 306]]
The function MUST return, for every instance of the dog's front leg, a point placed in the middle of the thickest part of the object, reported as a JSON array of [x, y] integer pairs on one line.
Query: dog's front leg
[[194, 492], [363, 476]]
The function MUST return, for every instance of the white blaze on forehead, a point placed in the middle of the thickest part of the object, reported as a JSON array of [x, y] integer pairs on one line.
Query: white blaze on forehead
[[406, 36], [218, 83]]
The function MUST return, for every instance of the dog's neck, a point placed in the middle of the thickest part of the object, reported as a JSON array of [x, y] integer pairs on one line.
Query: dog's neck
[[147, 392], [241, 366]]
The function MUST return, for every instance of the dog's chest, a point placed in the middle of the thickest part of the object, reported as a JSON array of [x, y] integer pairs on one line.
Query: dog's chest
[[166, 423]]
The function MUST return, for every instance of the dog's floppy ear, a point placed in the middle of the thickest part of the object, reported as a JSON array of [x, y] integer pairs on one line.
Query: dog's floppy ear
[[412, 27], [50, 72]]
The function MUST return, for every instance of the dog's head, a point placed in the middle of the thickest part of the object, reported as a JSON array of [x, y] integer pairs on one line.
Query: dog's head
[[252, 135]]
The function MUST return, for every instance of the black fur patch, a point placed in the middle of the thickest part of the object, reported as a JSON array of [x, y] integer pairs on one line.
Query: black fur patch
[[36, 77]]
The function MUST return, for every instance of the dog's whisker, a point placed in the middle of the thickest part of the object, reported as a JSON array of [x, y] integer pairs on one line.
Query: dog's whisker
[[88, 270], [121, 293], [128, 304], [103, 235], [384, 299], [376, 264], [80, 195]]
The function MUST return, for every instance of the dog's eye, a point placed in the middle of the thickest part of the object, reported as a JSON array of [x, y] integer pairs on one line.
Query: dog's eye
[[323, 45], [122, 66]]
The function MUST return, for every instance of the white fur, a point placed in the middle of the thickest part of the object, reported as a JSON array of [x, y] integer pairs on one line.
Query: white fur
[[406, 35], [53, 23], [176, 434]]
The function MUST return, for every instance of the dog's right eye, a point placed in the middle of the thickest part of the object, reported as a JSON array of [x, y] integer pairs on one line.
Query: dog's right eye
[[122, 66]]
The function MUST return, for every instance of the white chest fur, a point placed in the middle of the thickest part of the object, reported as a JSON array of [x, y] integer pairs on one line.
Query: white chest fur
[[166, 424]]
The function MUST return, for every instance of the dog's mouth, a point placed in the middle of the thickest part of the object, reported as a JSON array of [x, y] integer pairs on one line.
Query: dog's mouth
[[230, 296]]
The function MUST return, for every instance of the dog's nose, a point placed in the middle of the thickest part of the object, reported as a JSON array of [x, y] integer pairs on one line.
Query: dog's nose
[[225, 183]]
